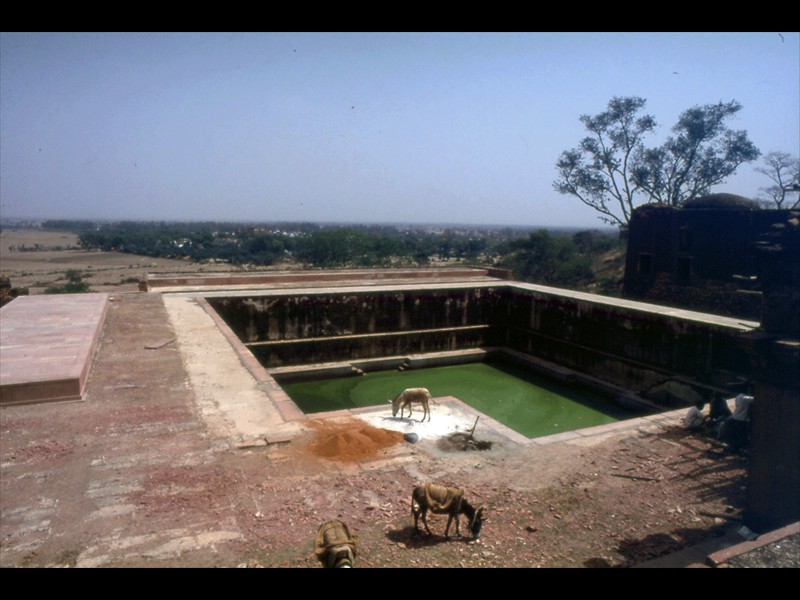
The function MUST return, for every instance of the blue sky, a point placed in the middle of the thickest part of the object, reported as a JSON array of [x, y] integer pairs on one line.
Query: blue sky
[[354, 127]]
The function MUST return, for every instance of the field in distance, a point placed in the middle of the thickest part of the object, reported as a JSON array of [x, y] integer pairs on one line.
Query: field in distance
[[37, 259]]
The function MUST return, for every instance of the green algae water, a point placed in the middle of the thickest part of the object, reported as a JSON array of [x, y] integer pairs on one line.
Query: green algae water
[[532, 405]]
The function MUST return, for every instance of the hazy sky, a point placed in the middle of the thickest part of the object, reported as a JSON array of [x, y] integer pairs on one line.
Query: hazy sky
[[369, 127]]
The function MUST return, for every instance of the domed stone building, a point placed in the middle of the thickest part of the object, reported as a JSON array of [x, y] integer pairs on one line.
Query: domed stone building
[[700, 256]]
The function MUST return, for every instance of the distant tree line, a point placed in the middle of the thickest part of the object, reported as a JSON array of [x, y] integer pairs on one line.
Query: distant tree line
[[558, 258], [307, 244]]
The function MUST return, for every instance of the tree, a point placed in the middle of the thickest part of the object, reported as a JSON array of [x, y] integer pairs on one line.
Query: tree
[[598, 172], [333, 247], [591, 242], [547, 259], [75, 284], [784, 170], [263, 249], [612, 170], [703, 152]]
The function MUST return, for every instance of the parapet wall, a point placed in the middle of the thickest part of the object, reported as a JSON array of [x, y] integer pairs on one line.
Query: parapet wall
[[329, 276], [644, 348]]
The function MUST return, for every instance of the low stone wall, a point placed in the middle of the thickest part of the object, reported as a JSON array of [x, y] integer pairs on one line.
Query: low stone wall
[[156, 281]]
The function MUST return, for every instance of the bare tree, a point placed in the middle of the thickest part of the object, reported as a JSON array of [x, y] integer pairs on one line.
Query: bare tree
[[784, 171], [598, 172]]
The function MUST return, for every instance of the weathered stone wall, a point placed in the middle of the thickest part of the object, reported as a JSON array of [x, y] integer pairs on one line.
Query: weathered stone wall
[[773, 485], [330, 327], [352, 347], [698, 258], [637, 349], [328, 314]]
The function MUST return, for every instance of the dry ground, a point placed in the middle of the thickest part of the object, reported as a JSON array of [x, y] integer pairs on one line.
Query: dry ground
[[103, 271], [613, 502], [134, 477], [181, 500]]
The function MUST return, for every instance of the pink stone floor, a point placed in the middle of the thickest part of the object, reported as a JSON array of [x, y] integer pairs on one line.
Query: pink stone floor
[[46, 346]]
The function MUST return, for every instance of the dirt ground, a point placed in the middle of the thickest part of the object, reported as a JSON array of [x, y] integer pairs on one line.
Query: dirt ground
[[103, 271], [133, 477], [615, 502]]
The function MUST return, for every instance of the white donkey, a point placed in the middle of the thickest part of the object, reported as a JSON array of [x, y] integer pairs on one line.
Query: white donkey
[[409, 397]]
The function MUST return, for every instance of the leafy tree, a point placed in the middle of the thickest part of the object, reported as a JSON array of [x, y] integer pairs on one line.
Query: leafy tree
[[784, 171], [333, 247], [74, 285], [703, 152], [612, 170], [384, 248], [73, 276], [590, 242], [547, 259], [264, 249]]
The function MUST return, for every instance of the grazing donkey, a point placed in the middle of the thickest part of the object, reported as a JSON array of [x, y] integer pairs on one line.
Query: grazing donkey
[[409, 397], [334, 545], [444, 500]]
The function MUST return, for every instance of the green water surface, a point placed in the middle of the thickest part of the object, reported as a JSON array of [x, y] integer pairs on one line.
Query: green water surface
[[531, 405]]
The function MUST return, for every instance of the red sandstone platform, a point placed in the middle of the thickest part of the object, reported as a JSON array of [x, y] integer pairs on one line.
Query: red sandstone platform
[[46, 346]]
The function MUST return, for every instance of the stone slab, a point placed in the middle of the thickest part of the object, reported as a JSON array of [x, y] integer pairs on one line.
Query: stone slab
[[166, 282], [724, 555], [47, 343]]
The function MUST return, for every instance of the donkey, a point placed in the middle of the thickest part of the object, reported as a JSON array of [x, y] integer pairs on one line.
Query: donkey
[[335, 546], [445, 500], [412, 396]]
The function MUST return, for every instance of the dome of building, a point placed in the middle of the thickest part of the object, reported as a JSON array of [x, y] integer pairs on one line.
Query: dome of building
[[723, 201]]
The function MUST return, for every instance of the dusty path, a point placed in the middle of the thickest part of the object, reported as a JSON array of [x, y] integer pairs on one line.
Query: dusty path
[[556, 506], [217, 376]]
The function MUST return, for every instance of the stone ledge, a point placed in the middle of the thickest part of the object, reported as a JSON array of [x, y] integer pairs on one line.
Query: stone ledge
[[726, 554]]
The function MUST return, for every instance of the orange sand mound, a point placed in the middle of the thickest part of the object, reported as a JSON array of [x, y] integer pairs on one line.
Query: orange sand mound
[[351, 441]]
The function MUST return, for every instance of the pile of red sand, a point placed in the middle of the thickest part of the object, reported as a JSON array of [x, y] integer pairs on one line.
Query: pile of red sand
[[352, 441]]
